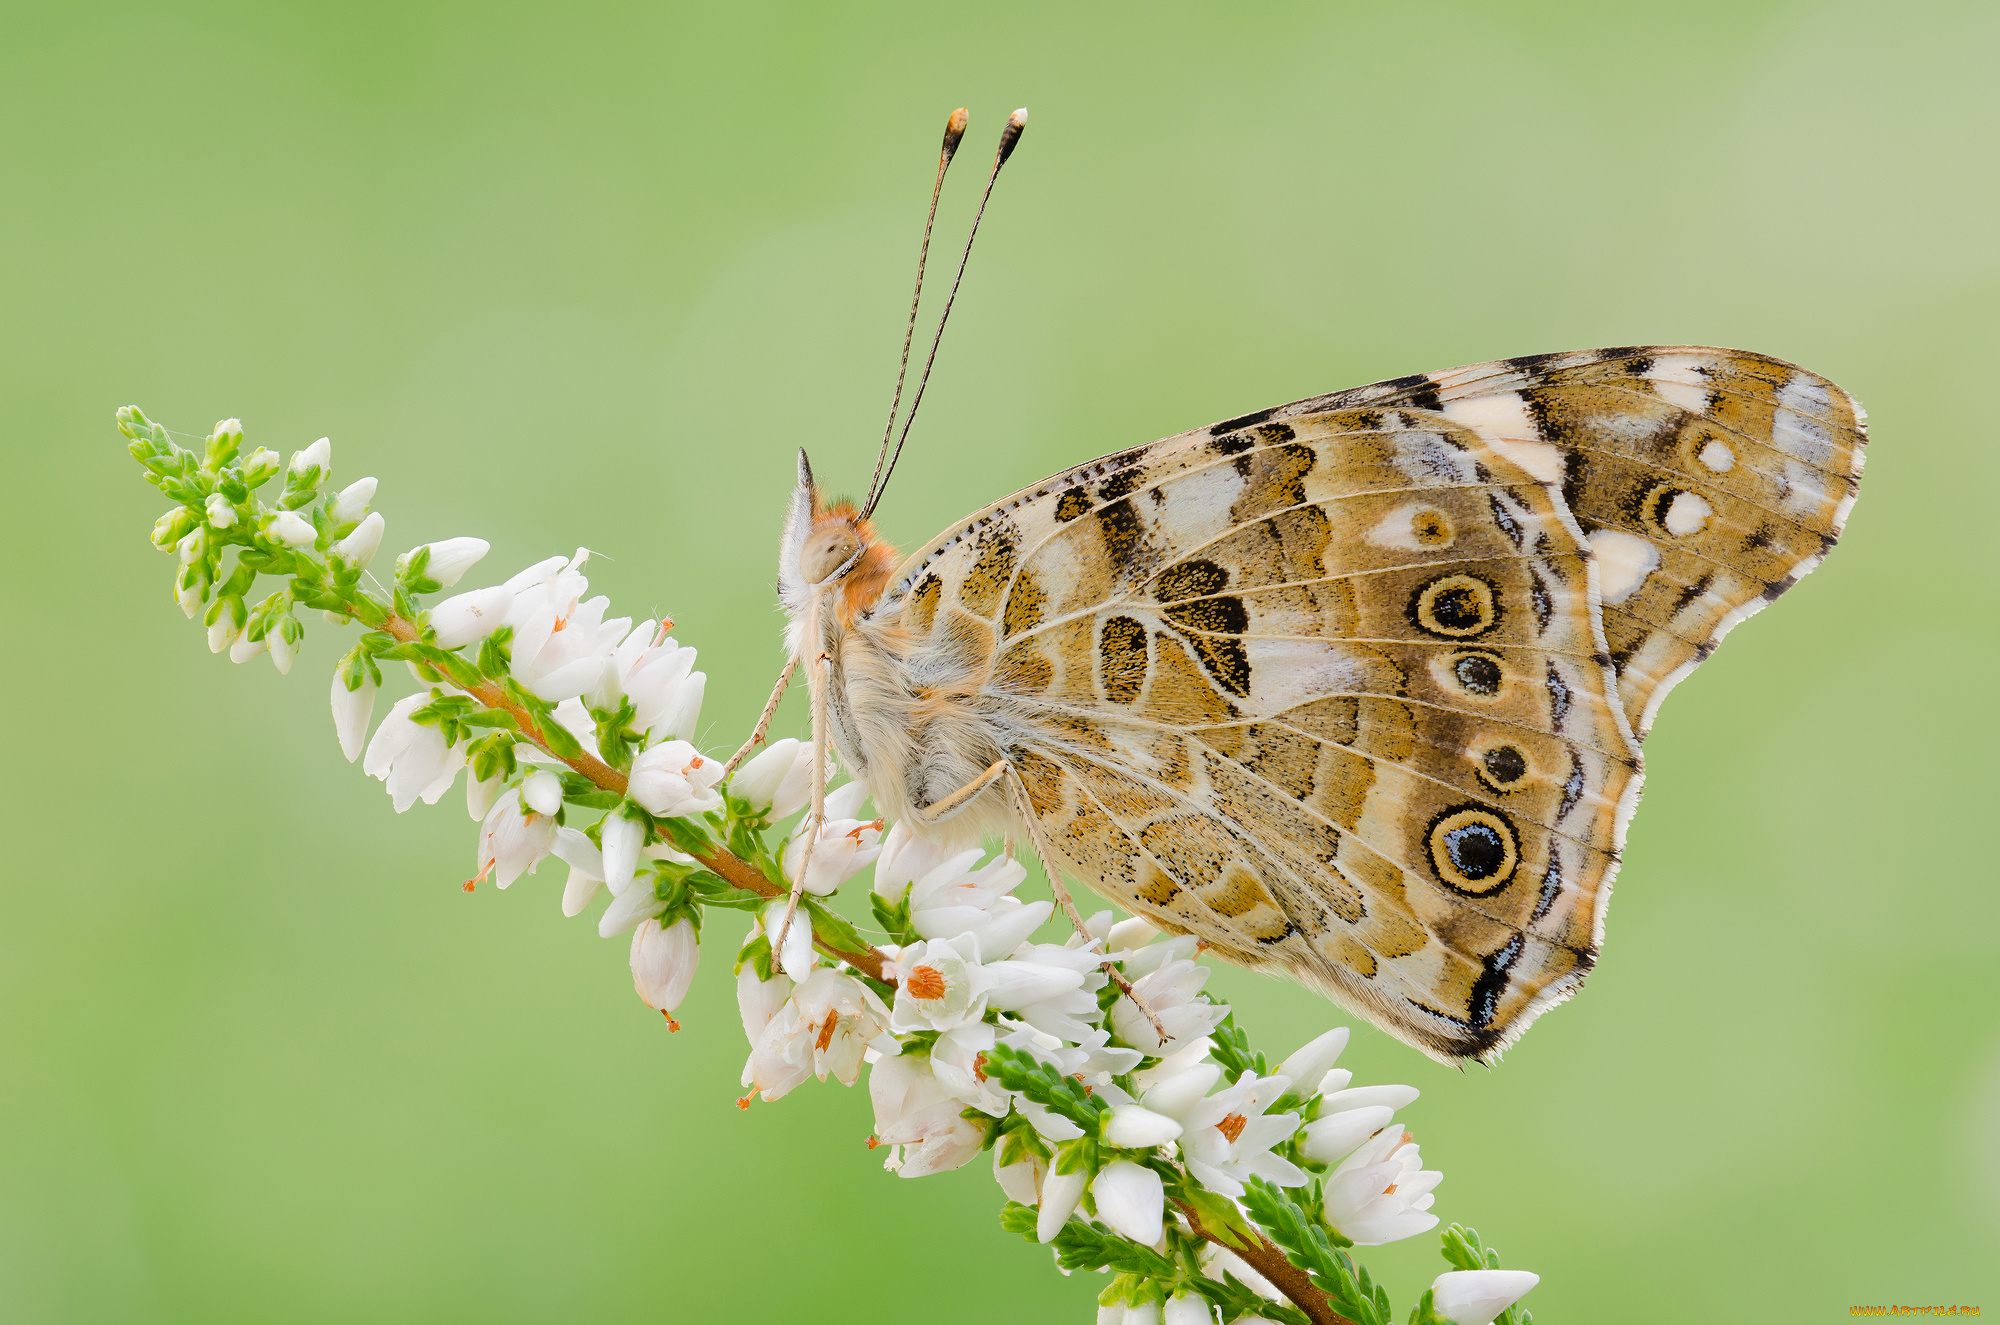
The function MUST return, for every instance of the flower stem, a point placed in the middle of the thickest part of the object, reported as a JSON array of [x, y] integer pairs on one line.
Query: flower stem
[[732, 868], [1268, 1260]]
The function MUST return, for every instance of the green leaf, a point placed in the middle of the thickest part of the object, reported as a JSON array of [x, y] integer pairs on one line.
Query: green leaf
[[1306, 1242], [1232, 1050], [1219, 1215], [894, 919], [757, 953], [1018, 1070]]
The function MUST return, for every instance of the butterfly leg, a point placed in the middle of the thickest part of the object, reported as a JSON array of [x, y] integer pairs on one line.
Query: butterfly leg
[[764, 720], [941, 809], [816, 681]]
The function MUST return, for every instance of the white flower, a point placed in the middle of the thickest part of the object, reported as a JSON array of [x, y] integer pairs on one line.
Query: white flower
[[913, 1110], [1187, 1309], [939, 984], [1146, 1313], [664, 962], [757, 1001], [823, 1030], [1382, 1193], [451, 558], [542, 792], [284, 651], [358, 548], [640, 898], [292, 529], [958, 1063], [245, 648], [1135, 1127], [480, 795], [1229, 1136], [220, 510], [460, 620], [586, 869], [1173, 993], [1021, 1180], [513, 840], [1052, 988], [673, 779], [352, 501], [952, 898], [318, 456], [224, 632], [844, 847], [1061, 1193], [1349, 1117], [411, 759], [796, 959], [783, 766], [619, 839], [1130, 1200], [1475, 1297], [1310, 1062]]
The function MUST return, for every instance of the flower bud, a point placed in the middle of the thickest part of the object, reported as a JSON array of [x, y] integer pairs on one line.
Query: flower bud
[[284, 637], [220, 510], [352, 503], [451, 558], [351, 711], [471, 616], [309, 467], [1131, 1200], [292, 529], [260, 468], [1136, 1128], [1188, 1309], [621, 838], [1061, 1192], [542, 792], [222, 633], [243, 650], [193, 546], [757, 782], [170, 528], [681, 717], [664, 962], [1475, 1297], [358, 548], [480, 795]]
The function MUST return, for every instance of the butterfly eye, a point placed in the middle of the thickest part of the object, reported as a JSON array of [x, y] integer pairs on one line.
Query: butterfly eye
[[827, 552]]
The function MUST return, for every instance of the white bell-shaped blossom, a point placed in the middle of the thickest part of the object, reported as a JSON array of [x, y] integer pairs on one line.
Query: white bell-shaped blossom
[[795, 957], [1135, 1127], [1187, 1309], [757, 1001], [360, 546], [410, 758], [353, 501], [1382, 1193], [586, 869], [1308, 1065], [1229, 1136], [480, 793], [939, 984], [659, 677], [620, 839], [1475, 1297], [1131, 1200], [451, 558], [292, 529], [1061, 1194], [223, 632], [914, 1112], [844, 847], [674, 779], [778, 776], [245, 648], [1348, 1117], [1053, 988], [467, 617], [351, 711], [958, 1061], [953, 898], [1021, 1180], [823, 1030], [1173, 994], [313, 462], [513, 839], [284, 652], [664, 962], [219, 511]]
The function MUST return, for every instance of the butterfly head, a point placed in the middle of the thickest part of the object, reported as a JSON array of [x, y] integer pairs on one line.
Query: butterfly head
[[830, 553]]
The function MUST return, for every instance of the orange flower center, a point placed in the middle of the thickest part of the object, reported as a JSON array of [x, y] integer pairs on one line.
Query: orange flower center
[[926, 982], [979, 1066], [826, 1031], [1232, 1126]]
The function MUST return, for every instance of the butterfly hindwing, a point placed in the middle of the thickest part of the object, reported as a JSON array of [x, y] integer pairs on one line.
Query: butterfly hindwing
[[1328, 693]]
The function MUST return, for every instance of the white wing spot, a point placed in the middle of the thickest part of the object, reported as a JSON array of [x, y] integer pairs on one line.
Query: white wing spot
[[1504, 421], [1623, 563], [1719, 458], [1687, 515]]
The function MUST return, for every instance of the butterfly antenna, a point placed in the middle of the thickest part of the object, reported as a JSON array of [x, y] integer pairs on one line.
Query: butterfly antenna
[[1010, 137], [954, 129]]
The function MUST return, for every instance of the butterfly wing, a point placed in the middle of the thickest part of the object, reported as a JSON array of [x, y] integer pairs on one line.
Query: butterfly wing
[[1708, 481], [1328, 693]]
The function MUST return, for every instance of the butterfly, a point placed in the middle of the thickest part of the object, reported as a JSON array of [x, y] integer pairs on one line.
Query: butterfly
[[1353, 688]]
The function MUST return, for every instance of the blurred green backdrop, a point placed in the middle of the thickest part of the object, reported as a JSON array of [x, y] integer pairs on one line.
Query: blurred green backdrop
[[586, 274]]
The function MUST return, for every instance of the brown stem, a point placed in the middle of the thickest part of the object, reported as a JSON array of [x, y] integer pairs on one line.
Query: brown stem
[[1266, 1259], [732, 869]]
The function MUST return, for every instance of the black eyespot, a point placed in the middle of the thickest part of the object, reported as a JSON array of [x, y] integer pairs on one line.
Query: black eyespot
[[1478, 673], [1504, 767], [1474, 850], [1455, 606]]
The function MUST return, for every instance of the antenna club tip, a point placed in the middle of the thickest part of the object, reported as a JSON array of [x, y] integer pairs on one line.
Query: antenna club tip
[[954, 129], [1010, 136]]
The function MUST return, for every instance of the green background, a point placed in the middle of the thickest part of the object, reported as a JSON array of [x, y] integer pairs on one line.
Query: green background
[[590, 276]]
